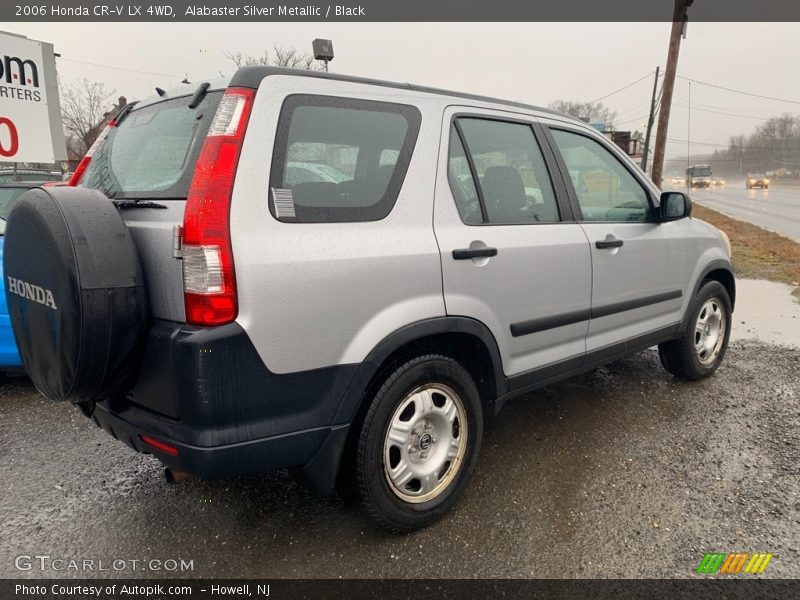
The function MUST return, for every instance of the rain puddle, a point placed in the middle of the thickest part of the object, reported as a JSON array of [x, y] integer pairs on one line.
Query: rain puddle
[[766, 311]]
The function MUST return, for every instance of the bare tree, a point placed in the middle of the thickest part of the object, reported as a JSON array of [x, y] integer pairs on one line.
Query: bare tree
[[586, 110], [84, 107], [280, 57]]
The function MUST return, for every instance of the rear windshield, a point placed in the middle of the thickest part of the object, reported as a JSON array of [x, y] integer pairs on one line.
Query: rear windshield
[[151, 154]]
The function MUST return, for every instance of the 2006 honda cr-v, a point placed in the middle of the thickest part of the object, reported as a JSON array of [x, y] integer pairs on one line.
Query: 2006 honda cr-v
[[343, 276]]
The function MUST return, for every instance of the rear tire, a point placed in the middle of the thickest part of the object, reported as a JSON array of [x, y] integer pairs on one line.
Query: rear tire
[[418, 444], [700, 349]]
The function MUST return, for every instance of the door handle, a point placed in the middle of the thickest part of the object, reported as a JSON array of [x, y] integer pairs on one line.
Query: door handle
[[468, 253], [612, 243]]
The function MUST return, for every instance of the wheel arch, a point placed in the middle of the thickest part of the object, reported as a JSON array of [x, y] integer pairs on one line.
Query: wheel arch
[[463, 339], [717, 270]]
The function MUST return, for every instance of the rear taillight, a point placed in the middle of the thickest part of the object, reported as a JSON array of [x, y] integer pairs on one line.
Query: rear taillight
[[209, 282], [159, 445], [77, 174]]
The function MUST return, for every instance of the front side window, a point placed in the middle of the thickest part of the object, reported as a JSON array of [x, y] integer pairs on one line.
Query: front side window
[[513, 183], [340, 159], [606, 190]]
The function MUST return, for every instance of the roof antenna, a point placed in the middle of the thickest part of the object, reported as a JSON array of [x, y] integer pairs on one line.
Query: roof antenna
[[160, 92]]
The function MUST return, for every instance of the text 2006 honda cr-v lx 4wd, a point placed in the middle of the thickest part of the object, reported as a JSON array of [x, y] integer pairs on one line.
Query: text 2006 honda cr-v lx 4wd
[[343, 276]]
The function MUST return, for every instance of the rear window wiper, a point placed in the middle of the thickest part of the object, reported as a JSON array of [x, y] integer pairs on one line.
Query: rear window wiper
[[123, 112], [120, 204], [199, 94]]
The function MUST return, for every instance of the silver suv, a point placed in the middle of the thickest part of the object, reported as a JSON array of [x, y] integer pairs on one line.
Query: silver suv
[[344, 276]]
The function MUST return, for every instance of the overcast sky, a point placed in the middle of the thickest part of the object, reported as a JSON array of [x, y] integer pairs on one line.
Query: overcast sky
[[529, 62]]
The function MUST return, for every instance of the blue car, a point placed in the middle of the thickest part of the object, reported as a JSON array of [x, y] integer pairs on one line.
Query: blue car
[[9, 356]]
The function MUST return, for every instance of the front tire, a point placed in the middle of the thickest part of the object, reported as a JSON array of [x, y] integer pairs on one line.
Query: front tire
[[700, 349], [418, 444]]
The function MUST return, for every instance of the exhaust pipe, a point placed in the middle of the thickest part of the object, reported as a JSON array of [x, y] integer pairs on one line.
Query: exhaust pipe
[[173, 476]]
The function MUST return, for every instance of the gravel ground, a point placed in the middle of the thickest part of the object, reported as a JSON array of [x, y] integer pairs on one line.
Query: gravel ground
[[622, 472]]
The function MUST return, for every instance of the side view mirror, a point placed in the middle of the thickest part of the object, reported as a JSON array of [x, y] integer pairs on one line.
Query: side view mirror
[[675, 205]]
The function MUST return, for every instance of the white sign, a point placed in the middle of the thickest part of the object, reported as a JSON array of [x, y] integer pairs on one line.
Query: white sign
[[30, 113]]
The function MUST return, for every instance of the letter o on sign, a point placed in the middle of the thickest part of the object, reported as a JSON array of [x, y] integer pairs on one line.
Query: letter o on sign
[[13, 146]]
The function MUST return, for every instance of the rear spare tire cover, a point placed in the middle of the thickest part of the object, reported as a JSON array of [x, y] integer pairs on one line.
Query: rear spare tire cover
[[75, 292]]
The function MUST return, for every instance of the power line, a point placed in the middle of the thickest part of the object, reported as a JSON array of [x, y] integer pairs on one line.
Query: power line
[[734, 108], [634, 119], [84, 62], [745, 146], [621, 89], [717, 112], [727, 89]]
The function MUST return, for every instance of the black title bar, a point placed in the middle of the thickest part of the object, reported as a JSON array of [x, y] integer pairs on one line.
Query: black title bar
[[395, 10], [405, 589]]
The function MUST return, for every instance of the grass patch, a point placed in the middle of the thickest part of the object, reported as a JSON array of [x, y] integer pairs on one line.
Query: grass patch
[[757, 253]]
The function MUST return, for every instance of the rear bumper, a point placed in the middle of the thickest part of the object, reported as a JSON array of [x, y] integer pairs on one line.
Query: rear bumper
[[296, 449], [206, 393]]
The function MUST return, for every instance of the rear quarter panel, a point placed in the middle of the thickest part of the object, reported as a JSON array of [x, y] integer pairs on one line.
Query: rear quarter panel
[[321, 294]]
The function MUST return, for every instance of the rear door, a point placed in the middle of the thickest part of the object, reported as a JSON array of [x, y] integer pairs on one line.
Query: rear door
[[640, 267], [512, 255], [146, 165]]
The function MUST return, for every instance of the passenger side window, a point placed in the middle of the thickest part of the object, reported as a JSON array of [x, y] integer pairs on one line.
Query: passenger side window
[[606, 190], [340, 159], [461, 183], [513, 185]]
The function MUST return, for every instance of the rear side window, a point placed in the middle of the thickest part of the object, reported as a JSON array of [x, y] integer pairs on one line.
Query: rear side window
[[510, 184], [152, 153], [340, 159]]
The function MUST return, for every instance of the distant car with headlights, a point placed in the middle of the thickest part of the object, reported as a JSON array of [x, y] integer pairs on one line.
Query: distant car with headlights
[[757, 180], [718, 181], [676, 181]]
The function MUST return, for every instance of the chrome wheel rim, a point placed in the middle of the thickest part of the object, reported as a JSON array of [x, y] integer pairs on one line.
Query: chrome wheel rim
[[425, 443], [709, 331]]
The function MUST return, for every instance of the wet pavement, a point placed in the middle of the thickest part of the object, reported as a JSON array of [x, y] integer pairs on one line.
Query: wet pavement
[[776, 209], [621, 472], [766, 311]]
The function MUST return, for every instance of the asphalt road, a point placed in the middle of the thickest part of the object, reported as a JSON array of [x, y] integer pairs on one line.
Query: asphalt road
[[776, 209], [622, 472]]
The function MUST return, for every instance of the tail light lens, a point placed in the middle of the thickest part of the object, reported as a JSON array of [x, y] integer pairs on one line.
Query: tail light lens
[[77, 174], [209, 281]]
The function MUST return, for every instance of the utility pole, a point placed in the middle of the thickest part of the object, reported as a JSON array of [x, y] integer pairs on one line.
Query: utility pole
[[679, 19], [650, 123], [689, 131]]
